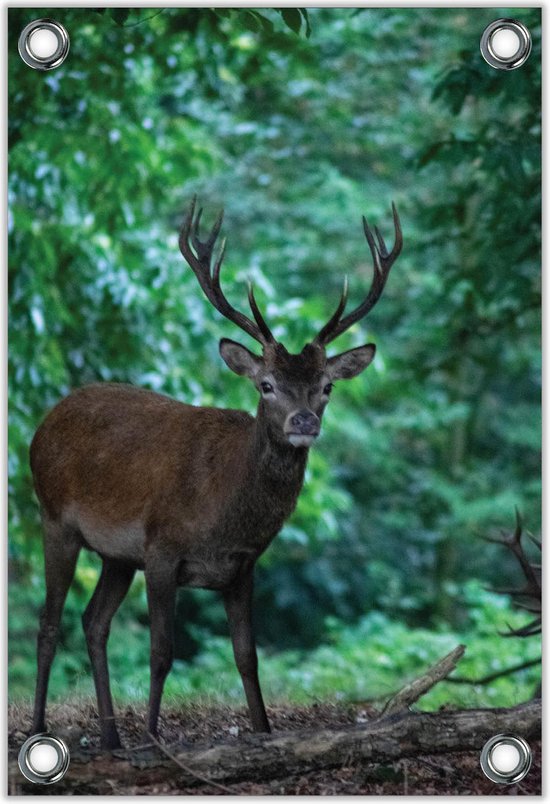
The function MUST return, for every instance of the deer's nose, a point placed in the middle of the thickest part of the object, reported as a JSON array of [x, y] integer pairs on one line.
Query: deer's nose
[[305, 422]]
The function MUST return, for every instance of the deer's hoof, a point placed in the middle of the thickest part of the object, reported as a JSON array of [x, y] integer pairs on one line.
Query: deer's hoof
[[111, 742]]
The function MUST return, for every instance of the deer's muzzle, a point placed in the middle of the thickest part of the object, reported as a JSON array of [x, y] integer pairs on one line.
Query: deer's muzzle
[[302, 427]]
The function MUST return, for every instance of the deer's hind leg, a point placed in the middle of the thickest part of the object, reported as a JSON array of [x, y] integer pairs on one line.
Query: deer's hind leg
[[109, 593], [61, 548], [161, 581], [238, 606]]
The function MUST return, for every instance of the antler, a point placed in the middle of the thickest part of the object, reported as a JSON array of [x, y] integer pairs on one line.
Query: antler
[[382, 262], [531, 593], [200, 261]]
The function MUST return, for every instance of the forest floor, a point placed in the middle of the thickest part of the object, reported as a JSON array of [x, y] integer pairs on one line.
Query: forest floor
[[444, 774]]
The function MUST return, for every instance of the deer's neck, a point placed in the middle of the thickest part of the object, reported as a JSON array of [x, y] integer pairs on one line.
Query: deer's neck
[[275, 463], [267, 488]]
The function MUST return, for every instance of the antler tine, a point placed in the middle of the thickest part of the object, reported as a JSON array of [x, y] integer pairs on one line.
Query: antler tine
[[381, 245], [519, 526], [398, 242], [335, 317], [264, 329], [188, 220], [372, 245], [200, 262], [218, 266], [533, 607], [516, 548], [530, 574], [195, 232], [534, 540], [215, 230], [531, 594], [531, 629], [382, 263]]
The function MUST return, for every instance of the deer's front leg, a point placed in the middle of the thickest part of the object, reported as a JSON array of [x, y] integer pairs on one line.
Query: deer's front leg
[[161, 597], [238, 606]]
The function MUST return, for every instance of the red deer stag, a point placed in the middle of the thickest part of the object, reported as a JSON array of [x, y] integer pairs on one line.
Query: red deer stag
[[191, 495]]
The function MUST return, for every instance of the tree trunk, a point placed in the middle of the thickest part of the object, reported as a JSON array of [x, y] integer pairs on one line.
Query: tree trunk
[[261, 757]]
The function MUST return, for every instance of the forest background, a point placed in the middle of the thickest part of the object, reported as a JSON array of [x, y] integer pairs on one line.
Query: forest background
[[297, 123]]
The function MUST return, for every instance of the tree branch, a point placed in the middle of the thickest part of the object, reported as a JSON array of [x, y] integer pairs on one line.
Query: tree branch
[[499, 674], [420, 686]]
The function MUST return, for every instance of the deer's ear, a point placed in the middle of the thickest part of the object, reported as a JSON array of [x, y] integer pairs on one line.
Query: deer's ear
[[350, 364], [239, 358]]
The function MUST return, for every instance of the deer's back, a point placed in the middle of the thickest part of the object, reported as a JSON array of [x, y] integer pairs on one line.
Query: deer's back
[[116, 456]]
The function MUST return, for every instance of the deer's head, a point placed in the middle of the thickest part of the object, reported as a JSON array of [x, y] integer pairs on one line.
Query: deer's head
[[294, 388]]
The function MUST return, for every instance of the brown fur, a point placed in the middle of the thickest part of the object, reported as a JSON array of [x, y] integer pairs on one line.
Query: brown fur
[[191, 495], [188, 474]]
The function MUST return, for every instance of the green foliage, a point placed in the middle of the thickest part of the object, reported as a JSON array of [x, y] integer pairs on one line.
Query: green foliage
[[297, 122], [368, 660]]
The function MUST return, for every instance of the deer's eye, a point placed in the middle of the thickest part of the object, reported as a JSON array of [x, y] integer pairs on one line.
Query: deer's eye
[[327, 389], [266, 387]]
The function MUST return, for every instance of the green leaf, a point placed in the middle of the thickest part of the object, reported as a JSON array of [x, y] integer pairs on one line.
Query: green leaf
[[305, 15], [292, 18], [120, 15]]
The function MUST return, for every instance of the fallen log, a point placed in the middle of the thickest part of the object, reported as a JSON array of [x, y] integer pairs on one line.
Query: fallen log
[[263, 757]]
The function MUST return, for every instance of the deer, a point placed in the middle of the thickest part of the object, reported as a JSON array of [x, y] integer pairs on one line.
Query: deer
[[192, 496]]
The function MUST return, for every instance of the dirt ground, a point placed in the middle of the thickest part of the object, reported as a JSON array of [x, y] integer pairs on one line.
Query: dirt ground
[[448, 774]]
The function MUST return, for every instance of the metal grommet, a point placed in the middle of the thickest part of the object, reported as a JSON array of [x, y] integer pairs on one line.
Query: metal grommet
[[44, 44], [43, 759], [506, 759], [505, 44]]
